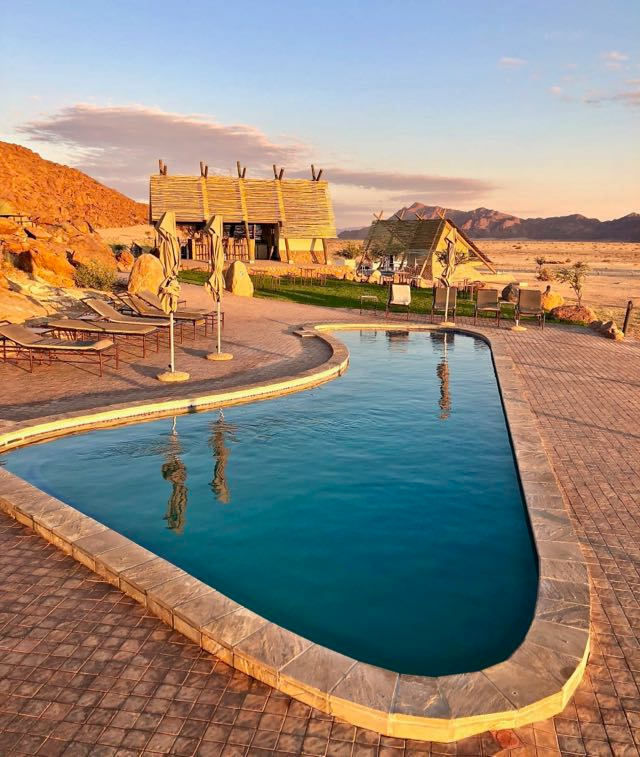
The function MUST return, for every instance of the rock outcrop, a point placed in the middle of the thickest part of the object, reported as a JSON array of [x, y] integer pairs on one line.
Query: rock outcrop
[[238, 281], [551, 300], [52, 193], [510, 293], [125, 261], [608, 329], [574, 313], [146, 273]]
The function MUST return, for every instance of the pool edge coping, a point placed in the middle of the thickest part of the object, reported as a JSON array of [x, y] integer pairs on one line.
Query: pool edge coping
[[552, 657]]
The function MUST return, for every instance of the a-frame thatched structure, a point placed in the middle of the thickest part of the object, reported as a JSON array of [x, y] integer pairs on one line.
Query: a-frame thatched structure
[[416, 242], [286, 219]]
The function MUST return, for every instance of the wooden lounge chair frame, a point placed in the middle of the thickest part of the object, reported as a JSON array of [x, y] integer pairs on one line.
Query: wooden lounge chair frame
[[487, 301], [87, 328], [21, 342], [396, 300], [146, 310], [440, 293], [107, 312], [529, 304]]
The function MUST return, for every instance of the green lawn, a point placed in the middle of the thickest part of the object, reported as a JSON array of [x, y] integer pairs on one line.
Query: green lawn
[[333, 294]]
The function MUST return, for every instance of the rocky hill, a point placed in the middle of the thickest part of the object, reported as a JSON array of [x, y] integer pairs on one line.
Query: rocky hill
[[52, 193], [485, 223]]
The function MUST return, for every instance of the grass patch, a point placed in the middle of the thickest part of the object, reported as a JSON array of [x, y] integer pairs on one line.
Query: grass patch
[[343, 294]]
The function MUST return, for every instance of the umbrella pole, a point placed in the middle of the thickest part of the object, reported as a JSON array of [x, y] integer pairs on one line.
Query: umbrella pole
[[172, 344], [218, 325]]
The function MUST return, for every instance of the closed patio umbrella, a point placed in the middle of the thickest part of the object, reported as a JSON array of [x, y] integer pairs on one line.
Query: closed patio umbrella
[[169, 248], [215, 283]]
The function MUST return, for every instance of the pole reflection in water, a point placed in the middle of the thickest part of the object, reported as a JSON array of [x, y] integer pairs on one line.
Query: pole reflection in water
[[174, 470], [442, 372], [219, 484]]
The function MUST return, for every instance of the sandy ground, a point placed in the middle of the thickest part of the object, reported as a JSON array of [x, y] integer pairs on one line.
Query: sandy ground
[[614, 277]]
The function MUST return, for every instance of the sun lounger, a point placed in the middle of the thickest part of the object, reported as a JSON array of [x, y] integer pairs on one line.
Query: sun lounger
[[439, 302], [487, 302], [194, 317], [18, 341], [78, 327], [155, 302], [108, 313], [399, 297], [530, 304]]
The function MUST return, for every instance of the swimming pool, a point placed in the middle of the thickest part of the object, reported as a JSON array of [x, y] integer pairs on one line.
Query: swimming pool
[[379, 515]]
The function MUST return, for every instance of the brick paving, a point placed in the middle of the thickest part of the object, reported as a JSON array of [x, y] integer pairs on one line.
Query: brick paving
[[84, 669]]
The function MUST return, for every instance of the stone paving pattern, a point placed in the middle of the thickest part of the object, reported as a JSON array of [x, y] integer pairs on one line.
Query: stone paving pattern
[[84, 670]]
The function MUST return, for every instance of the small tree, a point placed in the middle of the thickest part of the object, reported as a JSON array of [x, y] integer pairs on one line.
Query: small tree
[[450, 259], [350, 251], [575, 276], [539, 261]]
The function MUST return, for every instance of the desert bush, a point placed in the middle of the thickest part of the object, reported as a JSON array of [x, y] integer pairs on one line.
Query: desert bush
[[575, 276], [350, 251], [118, 247], [545, 274], [539, 261], [94, 275]]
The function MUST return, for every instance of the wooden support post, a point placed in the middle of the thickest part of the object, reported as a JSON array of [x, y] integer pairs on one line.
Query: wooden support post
[[627, 317], [161, 166], [313, 172], [325, 250], [319, 175]]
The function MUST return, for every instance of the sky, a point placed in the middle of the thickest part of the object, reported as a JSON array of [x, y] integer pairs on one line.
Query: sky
[[528, 107]]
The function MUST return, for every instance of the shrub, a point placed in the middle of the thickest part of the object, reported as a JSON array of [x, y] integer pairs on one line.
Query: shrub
[[540, 261], [350, 251], [545, 274], [94, 275], [574, 275]]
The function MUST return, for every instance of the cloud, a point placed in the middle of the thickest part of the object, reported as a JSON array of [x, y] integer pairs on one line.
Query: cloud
[[555, 90], [120, 145], [508, 62], [630, 98], [614, 59]]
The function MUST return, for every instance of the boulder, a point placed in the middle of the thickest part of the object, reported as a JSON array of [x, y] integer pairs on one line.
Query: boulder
[[14, 245], [596, 325], [423, 283], [551, 300], [8, 227], [17, 308], [375, 277], [574, 313], [510, 293], [48, 262], [89, 248], [146, 273], [237, 280], [125, 261], [611, 331]]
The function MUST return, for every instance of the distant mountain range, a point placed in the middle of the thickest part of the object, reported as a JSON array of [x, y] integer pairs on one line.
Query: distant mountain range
[[483, 223]]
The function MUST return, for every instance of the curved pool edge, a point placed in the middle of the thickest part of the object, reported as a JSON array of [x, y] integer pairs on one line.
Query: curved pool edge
[[535, 683]]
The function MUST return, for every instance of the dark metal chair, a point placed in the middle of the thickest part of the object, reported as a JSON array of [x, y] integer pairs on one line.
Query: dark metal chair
[[530, 305], [439, 302], [487, 302]]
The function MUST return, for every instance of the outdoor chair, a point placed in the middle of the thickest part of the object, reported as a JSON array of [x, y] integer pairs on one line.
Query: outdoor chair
[[21, 341], [439, 302], [77, 328], [399, 297], [530, 305], [154, 301], [487, 302], [107, 312], [195, 318]]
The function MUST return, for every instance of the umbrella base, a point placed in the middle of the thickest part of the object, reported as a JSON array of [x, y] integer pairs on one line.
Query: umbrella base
[[219, 356], [172, 376], [518, 328]]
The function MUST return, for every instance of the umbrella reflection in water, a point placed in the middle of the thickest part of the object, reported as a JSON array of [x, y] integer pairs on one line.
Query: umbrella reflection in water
[[175, 471], [442, 372], [219, 485]]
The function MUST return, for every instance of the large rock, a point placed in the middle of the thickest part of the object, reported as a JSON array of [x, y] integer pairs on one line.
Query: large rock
[[237, 279], [16, 307], [551, 300], [146, 273], [89, 248], [375, 277], [574, 313], [37, 232], [510, 293], [8, 227], [49, 262], [125, 261]]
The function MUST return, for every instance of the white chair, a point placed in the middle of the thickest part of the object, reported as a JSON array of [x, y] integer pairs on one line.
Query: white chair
[[399, 297]]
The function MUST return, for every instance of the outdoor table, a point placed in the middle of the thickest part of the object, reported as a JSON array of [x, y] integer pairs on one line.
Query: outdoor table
[[369, 298]]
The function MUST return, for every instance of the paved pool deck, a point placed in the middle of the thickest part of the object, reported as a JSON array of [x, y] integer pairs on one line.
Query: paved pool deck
[[85, 670]]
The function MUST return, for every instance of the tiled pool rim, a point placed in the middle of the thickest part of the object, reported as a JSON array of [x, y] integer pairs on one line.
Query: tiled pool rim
[[535, 683]]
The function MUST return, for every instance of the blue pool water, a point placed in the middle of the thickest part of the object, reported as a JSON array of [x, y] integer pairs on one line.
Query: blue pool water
[[379, 514]]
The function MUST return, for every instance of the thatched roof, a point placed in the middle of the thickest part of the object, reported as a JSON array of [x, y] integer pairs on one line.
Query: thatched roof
[[302, 206], [420, 235]]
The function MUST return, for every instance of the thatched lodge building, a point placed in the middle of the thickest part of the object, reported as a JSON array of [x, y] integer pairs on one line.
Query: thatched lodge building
[[414, 245], [263, 219]]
